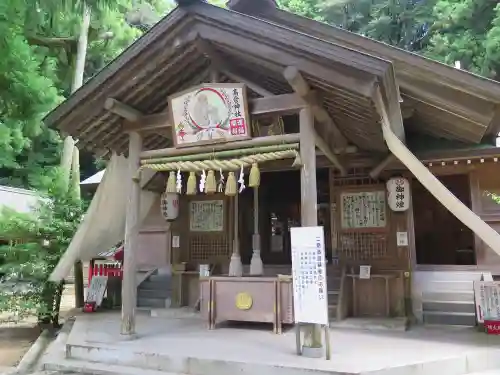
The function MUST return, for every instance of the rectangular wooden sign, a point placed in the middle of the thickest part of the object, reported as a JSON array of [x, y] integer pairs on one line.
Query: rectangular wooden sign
[[210, 113]]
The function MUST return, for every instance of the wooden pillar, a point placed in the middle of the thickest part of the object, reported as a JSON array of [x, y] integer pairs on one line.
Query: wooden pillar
[[129, 287], [309, 211]]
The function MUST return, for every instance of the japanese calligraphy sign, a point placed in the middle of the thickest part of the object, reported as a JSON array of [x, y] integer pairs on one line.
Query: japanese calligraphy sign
[[398, 193], [310, 296], [209, 113], [487, 296], [361, 210]]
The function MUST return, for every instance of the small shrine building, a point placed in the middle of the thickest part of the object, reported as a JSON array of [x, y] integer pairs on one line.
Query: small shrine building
[[393, 154]]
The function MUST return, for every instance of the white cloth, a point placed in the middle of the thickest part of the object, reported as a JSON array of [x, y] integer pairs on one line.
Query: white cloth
[[103, 225]]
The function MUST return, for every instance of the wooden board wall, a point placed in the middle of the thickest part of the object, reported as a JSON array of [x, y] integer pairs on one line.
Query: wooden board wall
[[485, 179]]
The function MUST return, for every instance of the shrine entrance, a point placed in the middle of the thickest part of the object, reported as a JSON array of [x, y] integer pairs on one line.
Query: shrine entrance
[[440, 238]]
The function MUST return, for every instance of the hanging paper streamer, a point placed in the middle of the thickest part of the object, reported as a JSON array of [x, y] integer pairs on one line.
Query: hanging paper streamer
[[191, 184], [220, 188], [210, 183], [178, 184], [203, 179], [241, 180]]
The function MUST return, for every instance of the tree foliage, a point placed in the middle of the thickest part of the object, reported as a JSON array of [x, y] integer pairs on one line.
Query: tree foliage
[[35, 243], [467, 31]]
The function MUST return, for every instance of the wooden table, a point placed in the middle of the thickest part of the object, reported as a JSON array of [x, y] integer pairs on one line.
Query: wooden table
[[386, 277], [249, 298]]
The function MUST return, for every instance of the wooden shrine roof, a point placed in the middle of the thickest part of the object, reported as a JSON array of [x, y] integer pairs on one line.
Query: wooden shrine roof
[[343, 68]]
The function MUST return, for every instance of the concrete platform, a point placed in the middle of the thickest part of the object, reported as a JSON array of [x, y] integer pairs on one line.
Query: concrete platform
[[183, 345]]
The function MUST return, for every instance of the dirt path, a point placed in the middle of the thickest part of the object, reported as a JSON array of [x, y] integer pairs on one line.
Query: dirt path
[[16, 339]]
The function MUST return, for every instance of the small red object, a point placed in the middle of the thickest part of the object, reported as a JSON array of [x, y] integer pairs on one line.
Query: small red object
[[89, 307], [237, 126], [492, 327]]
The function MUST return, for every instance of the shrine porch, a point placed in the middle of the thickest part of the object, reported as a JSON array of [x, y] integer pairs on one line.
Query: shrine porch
[[181, 343]]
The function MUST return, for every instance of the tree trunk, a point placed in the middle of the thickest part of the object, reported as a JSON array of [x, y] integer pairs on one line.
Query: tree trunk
[[81, 55]]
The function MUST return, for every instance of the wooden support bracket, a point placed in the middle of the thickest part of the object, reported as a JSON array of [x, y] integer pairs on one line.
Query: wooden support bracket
[[301, 87], [375, 172]]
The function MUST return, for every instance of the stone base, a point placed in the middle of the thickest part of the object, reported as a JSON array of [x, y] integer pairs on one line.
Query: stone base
[[185, 346], [312, 352]]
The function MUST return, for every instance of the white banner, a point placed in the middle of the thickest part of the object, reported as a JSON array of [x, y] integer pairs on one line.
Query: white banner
[[486, 296], [310, 296]]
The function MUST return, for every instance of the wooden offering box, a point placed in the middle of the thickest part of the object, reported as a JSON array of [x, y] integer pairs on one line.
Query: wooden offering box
[[248, 299]]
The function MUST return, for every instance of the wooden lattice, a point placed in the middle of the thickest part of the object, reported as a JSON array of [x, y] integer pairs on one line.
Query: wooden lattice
[[362, 245], [208, 248], [355, 245]]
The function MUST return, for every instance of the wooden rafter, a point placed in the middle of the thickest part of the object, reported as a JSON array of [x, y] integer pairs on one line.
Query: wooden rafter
[[301, 87], [208, 50]]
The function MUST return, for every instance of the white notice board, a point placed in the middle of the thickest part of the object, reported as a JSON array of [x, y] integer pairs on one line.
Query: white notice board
[[486, 297], [310, 296]]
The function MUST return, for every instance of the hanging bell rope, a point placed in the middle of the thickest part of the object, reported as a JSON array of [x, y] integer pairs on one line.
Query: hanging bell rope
[[223, 154], [223, 165]]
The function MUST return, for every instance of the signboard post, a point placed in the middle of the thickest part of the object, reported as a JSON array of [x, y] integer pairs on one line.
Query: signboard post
[[486, 296], [310, 295]]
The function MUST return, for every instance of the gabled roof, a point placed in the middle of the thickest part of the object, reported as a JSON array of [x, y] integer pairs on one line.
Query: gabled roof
[[343, 70], [20, 200]]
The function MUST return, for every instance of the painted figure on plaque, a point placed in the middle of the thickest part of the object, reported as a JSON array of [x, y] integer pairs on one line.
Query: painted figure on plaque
[[209, 114]]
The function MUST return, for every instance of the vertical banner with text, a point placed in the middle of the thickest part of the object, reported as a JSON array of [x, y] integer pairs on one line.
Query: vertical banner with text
[[310, 296]]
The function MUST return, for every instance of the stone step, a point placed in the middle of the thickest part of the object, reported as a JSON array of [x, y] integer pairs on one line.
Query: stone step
[[153, 302], [167, 279], [450, 295], [155, 285], [446, 286], [449, 318], [68, 366], [154, 293], [96, 360], [426, 276], [449, 306], [333, 297]]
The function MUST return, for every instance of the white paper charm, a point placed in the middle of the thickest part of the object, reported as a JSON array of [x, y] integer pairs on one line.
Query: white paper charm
[[203, 179], [220, 188], [241, 180], [178, 182]]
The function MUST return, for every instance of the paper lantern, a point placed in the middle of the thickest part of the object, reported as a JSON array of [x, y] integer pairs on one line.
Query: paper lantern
[[398, 194], [170, 206]]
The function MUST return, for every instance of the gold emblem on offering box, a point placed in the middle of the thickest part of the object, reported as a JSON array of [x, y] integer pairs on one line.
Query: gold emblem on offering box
[[243, 301]]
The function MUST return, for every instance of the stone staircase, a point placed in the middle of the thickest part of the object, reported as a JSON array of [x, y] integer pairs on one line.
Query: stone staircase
[[155, 292], [445, 297], [334, 277]]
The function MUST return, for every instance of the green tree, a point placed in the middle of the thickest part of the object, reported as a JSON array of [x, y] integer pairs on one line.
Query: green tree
[[36, 243], [467, 31]]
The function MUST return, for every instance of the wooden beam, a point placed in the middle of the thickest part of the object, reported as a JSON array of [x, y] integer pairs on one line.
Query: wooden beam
[[254, 142], [209, 51], [301, 87], [136, 121], [375, 172], [122, 109], [131, 244], [325, 149], [252, 86], [283, 104], [309, 200]]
